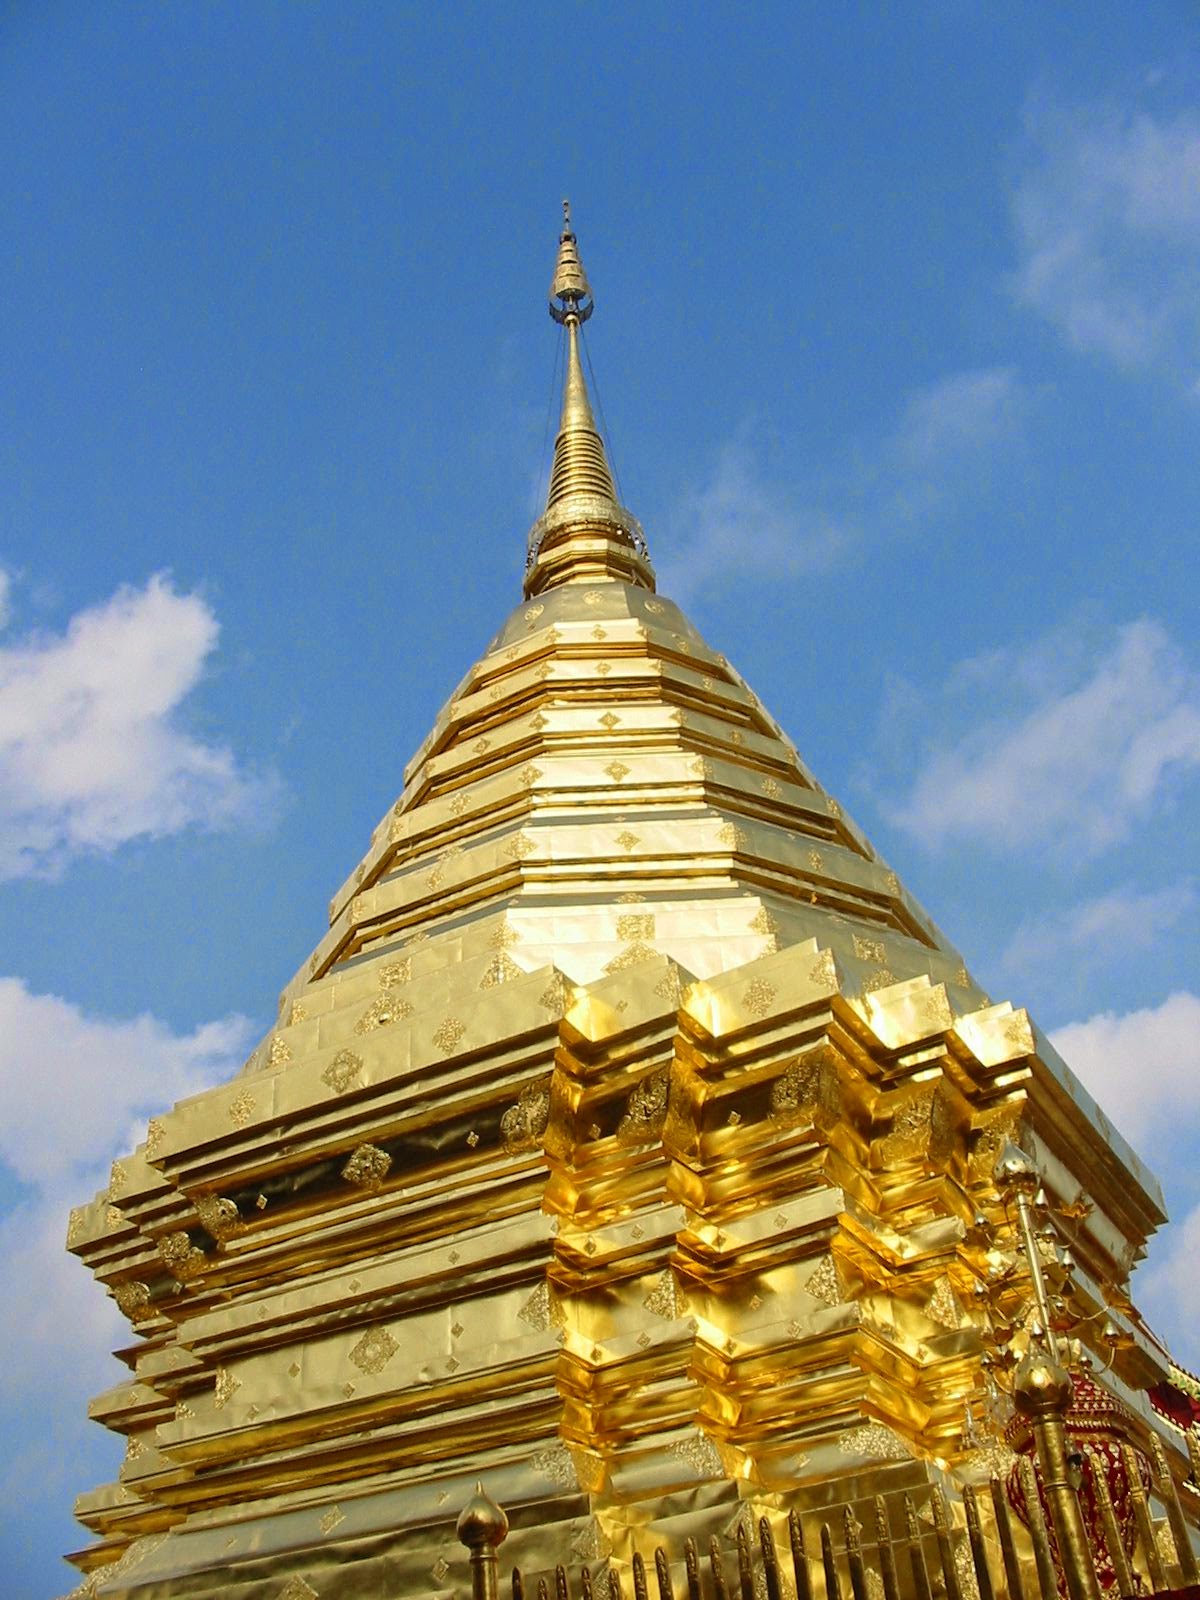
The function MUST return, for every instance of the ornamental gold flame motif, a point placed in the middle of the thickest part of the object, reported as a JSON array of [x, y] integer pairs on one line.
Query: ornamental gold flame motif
[[629, 1142]]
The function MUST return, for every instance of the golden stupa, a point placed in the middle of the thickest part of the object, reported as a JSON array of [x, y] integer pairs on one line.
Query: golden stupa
[[628, 1143]]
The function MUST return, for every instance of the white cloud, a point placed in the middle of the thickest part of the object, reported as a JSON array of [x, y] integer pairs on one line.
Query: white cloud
[[1079, 765], [958, 415], [73, 1085], [1143, 1067], [1167, 1288], [77, 1091], [741, 520], [744, 519], [1107, 214], [1097, 930], [91, 750]]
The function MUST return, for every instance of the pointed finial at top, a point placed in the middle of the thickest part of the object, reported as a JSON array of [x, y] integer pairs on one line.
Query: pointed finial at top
[[570, 292], [584, 534]]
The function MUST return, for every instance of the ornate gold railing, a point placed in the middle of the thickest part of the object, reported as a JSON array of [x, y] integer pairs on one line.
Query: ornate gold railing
[[927, 1560]]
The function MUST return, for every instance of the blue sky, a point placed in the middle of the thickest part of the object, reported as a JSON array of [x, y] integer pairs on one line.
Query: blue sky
[[898, 344]]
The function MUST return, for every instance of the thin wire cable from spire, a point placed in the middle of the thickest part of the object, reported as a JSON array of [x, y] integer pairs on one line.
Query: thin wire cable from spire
[[612, 460]]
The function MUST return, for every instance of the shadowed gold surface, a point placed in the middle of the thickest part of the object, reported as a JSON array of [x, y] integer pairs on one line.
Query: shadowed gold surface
[[627, 1142]]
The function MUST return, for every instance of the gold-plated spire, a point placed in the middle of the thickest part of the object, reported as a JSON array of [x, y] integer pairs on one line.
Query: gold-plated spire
[[585, 533], [570, 287]]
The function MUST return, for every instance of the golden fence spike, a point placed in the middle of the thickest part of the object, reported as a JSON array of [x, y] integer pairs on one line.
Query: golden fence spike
[[561, 1591], [1038, 1533], [691, 1562], [979, 1560], [639, 1576], [1113, 1541], [745, 1564], [833, 1586], [1008, 1549], [1185, 1556], [662, 1571], [916, 1551], [1141, 1515], [717, 1566], [518, 1584], [770, 1563], [854, 1556], [887, 1556], [941, 1528], [543, 1591], [800, 1572], [614, 1584], [585, 1581]]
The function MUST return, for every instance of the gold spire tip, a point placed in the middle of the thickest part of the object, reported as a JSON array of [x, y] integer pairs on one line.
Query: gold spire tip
[[570, 292]]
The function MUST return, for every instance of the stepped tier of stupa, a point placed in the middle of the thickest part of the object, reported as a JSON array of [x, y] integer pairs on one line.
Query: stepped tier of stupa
[[627, 1143]]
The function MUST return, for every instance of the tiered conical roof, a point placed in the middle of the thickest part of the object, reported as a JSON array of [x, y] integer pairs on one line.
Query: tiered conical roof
[[627, 1140]]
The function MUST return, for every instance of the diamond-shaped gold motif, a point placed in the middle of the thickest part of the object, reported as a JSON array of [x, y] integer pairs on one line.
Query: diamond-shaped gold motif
[[881, 978], [593, 597], [332, 1519], [529, 774], [758, 997], [297, 1589], [869, 949], [823, 1283], [448, 1034], [472, 1138], [617, 770], [636, 925], [519, 847], [609, 720], [771, 788], [533, 612], [367, 1167], [374, 1350], [555, 995], [394, 974], [241, 1108], [225, 1387], [501, 969], [294, 1370], [538, 722], [280, 1052], [342, 1071], [824, 973], [603, 668], [627, 840], [730, 835], [480, 745], [457, 805]]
